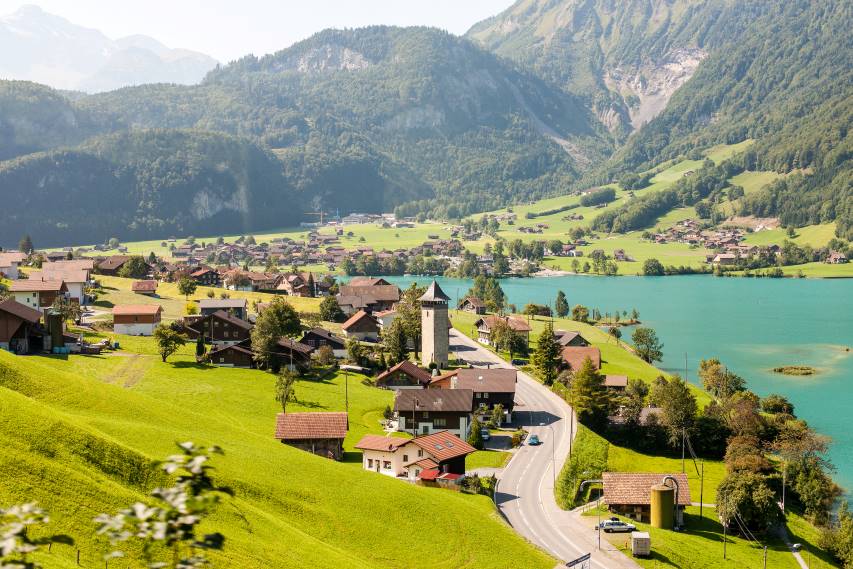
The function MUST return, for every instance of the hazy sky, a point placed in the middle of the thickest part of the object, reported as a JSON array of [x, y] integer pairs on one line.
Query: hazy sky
[[227, 29]]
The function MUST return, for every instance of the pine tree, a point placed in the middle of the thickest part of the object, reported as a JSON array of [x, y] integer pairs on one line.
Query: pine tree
[[25, 245], [589, 395], [546, 358], [475, 439], [562, 305], [395, 342]]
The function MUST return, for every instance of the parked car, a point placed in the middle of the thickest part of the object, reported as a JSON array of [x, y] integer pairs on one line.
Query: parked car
[[518, 362], [485, 434], [618, 526], [533, 440]]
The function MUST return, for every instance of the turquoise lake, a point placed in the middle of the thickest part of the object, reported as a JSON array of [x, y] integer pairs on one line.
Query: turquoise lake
[[751, 325]]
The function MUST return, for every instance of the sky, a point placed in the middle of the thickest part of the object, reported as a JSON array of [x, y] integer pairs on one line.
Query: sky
[[228, 29]]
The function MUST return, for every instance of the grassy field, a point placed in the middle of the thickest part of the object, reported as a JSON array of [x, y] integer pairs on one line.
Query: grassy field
[[79, 434], [814, 235]]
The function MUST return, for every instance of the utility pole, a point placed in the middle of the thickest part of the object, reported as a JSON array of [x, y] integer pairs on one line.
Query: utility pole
[[725, 527], [784, 472], [346, 392], [765, 557], [701, 488], [682, 449]]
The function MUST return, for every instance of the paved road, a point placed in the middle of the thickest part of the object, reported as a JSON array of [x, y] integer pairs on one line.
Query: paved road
[[525, 493]]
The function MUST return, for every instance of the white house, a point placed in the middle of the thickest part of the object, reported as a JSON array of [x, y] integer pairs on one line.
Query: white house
[[437, 457], [75, 280], [136, 319], [37, 294]]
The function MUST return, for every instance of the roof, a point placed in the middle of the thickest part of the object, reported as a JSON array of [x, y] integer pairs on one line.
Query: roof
[[444, 445], [23, 312], [635, 487], [59, 274], [144, 286], [575, 356], [227, 317], [408, 368], [323, 333], [302, 426], [295, 346], [222, 303], [137, 309], [76, 264], [429, 474], [33, 285], [564, 338], [6, 259], [113, 262], [434, 293], [516, 324], [387, 293], [235, 347], [425, 463], [495, 380], [357, 318], [474, 301], [616, 381], [380, 443], [367, 281], [446, 400]]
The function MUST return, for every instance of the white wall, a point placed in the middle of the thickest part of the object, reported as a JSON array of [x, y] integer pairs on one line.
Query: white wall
[[30, 299], [138, 329]]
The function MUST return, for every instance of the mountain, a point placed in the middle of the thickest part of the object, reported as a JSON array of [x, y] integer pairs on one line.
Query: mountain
[[45, 48]]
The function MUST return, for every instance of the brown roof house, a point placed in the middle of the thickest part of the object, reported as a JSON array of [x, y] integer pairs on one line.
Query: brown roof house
[[616, 382], [425, 411], [361, 326], [486, 324], [473, 304], [438, 458], [219, 328], [570, 338], [490, 386], [233, 306], [232, 355], [112, 265], [379, 296], [318, 337], [147, 288], [19, 328], [318, 433], [629, 493], [136, 319], [575, 356], [404, 375], [38, 294]]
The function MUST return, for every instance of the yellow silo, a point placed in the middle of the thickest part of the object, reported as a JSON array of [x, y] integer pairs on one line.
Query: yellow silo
[[663, 506]]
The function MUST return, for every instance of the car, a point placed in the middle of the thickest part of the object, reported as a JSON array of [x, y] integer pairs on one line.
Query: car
[[618, 526], [533, 440], [485, 434], [518, 362]]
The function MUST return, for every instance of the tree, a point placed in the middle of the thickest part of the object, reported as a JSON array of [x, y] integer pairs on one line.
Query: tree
[[25, 245], [17, 525], [113, 243], [489, 290], [68, 310], [561, 306], [744, 499], [355, 351], [279, 319], [503, 337], [199, 346], [580, 313], [589, 396], [615, 332], [325, 355], [152, 258], [396, 343], [678, 407], [168, 341], [497, 416], [285, 388], [546, 358], [187, 286], [134, 268], [776, 404], [718, 380], [475, 438], [409, 314], [330, 310], [647, 345]]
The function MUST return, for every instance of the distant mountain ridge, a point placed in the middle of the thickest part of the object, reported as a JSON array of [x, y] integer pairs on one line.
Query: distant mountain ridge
[[45, 48]]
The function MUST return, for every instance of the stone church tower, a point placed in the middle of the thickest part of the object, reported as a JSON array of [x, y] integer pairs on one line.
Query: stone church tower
[[435, 326]]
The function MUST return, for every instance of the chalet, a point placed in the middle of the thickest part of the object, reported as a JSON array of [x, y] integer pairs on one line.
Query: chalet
[[319, 337], [292, 354], [724, 259], [629, 493], [318, 433], [37, 294], [616, 382], [570, 338], [205, 276], [232, 355], [361, 326], [574, 357], [112, 265], [437, 458], [490, 386], [473, 304], [219, 328], [136, 319], [836, 258], [425, 411], [373, 297], [404, 375], [19, 328], [298, 284], [485, 325], [75, 281], [146, 288], [233, 306], [9, 263], [87, 265]]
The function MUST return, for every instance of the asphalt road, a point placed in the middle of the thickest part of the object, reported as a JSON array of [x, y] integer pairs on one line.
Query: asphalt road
[[525, 493]]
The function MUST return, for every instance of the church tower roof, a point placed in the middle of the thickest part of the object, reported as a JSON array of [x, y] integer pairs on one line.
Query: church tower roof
[[434, 294]]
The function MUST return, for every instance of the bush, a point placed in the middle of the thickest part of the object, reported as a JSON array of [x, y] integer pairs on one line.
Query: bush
[[589, 460], [603, 195]]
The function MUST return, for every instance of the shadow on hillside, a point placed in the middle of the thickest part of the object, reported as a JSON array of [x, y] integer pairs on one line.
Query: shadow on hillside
[[352, 457], [310, 404], [103, 303], [193, 365]]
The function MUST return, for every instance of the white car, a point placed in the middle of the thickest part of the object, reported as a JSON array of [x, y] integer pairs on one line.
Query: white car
[[616, 526]]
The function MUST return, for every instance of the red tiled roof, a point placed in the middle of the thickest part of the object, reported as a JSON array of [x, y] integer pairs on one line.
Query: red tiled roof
[[444, 445], [302, 426], [137, 309], [143, 286], [32, 285], [409, 369], [516, 324], [424, 463], [575, 356], [380, 443], [357, 318], [635, 488]]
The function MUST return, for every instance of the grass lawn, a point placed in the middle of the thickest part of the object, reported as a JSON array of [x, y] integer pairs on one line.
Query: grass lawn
[[487, 459], [80, 433], [814, 235]]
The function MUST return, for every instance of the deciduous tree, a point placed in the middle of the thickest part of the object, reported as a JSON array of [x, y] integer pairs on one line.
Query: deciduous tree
[[168, 341], [279, 319], [647, 345]]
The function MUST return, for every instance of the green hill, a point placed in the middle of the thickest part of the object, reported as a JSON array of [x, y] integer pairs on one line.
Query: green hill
[[80, 436]]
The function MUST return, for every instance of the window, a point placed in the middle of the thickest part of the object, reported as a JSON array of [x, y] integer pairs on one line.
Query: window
[[439, 422], [425, 429], [426, 414], [222, 360], [420, 452], [405, 458], [386, 465], [485, 396], [369, 463]]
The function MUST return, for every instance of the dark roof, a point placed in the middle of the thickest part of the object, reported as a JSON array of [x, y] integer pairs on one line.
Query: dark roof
[[239, 322], [236, 347], [408, 368], [434, 293], [113, 262], [302, 426], [564, 337], [23, 312], [444, 445], [635, 488], [295, 346], [323, 333], [449, 400], [474, 301], [357, 318], [495, 380]]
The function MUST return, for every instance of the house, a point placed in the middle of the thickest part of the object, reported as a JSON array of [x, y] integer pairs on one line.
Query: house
[[319, 337], [724, 259], [616, 382], [485, 325], [404, 375], [219, 328], [570, 338], [292, 354], [384, 318], [9, 263], [574, 356], [136, 319], [361, 326], [318, 433], [629, 493], [427, 458], [75, 281], [87, 265], [147, 288], [373, 297], [112, 265], [298, 284], [836, 258], [37, 294], [232, 355], [425, 411], [205, 276], [490, 386], [19, 328], [473, 304], [234, 306]]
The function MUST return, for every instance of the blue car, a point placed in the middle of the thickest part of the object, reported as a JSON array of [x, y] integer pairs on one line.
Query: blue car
[[534, 440]]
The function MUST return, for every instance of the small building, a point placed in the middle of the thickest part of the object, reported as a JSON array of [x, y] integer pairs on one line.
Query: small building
[[136, 319], [9, 263], [75, 281], [146, 288], [836, 258], [318, 337], [232, 355], [219, 328], [724, 259], [234, 306], [19, 328], [629, 493], [490, 386], [361, 326], [404, 375], [424, 458], [292, 354], [570, 338], [574, 356], [425, 411], [486, 324], [322, 434], [112, 265], [204, 276], [37, 294], [616, 382], [473, 305]]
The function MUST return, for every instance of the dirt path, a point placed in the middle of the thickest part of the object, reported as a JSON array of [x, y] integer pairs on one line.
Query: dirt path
[[130, 371]]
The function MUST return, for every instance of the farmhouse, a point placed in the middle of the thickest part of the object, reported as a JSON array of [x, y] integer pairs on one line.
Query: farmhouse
[[136, 319], [473, 304], [147, 288], [232, 355], [490, 386], [377, 296], [361, 326], [425, 411], [487, 324], [75, 281], [204, 276], [570, 338], [19, 328], [112, 265], [629, 493], [37, 294], [219, 328], [404, 375], [724, 259], [318, 337], [298, 284], [233, 306], [9, 263], [574, 357], [439, 457], [318, 433], [836, 258]]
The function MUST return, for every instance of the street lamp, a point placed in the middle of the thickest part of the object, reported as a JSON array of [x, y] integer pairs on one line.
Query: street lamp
[[553, 462]]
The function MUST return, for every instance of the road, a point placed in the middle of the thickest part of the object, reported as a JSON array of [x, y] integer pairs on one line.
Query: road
[[525, 494]]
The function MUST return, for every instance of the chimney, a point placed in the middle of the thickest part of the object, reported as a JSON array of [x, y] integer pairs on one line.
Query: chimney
[[454, 382]]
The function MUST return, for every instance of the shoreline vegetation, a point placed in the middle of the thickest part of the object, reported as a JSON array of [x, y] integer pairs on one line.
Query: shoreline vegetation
[[796, 370]]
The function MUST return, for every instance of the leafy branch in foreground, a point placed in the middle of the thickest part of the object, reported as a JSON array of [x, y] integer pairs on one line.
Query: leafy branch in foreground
[[15, 542], [170, 529]]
